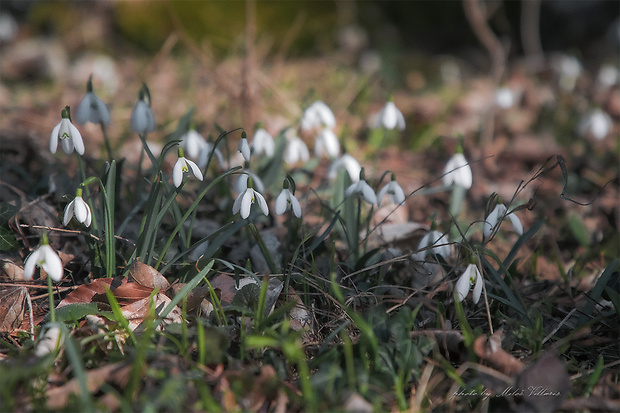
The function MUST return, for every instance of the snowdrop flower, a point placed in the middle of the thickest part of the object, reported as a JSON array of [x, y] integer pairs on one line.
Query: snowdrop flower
[[457, 172], [296, 150], [493, 221], [205, 154], [597, 123], [327, 143], [184, 165], [286, 199], [568, 69], [348, 162], [505, 98], [68, 135], [244, 201], [92, 109], [193, 143], [608, 75], [44, 257], [79, 209], [244, 148], [397, 195], [241, 184], [431, 238], [142, 120], [361, 188], [263, 142], [390, 117], [318, 115], [470, 277], [49, 341]]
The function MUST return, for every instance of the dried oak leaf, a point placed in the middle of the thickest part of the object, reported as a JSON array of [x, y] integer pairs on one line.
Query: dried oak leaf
[[11, 308], [148, 276]]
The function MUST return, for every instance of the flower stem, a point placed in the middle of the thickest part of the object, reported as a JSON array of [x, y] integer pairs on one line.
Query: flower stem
[[50, 293], [106, 140]]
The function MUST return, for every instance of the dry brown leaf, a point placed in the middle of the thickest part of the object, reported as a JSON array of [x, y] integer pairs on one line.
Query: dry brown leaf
[[85, 292], [545, 384], [195, 297], [227, 286], [13, 271], [138, 310], [116, 373], [12, 301], [491, 351], [148, 276]]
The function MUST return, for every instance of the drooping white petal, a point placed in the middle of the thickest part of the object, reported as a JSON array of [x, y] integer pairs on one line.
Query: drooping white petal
[[397, 195], [205, 153], [246, 203], [192, 143], [432, 239], [50, 341], [458, 172], [262, 203], [493, 219], [463, 285], [68, 213], [296, 150], [76, 138], [295, 206], [348, 162], [478, 284], [368, 193], [241, 183], [92, 109], [390, 117], [351, 190], [51, 263], [237, 204], [141, 120], [327, 144], [516, 223], [81, 211], [281, 202], [54, 138], [317, 115], [194, 168], [30, 263], [177, 172], [244, 148], [263, 143]]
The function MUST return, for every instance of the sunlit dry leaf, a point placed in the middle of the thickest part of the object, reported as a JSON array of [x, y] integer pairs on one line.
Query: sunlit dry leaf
[[491, 351], [226, 284], [195, 297], [13, 271], [12, 300], [148, 276], [117, 374], [138, 310], [85, 292]]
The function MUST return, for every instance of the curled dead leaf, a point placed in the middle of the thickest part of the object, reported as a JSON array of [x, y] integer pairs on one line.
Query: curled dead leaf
[[490, 350], [148, 276]]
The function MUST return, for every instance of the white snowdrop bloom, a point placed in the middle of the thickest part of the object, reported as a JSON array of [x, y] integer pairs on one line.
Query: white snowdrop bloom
[[92, 109], [597, 123], [608, 75], [193, 143], [432, 239], [458, 172], [318, 115], [78, 208], [348, 162], [296, 150], [390, 117], [327, 143], [142, 120], [362, 189], [244, 148], [44, 257], [241, 183], [471, 277], [263, 143], [286, 199], [49, 341], [505, 98], [244, 202], [493, 221], [205, 153], [568, 69], [182, 166], [68, 135], [396, 193]]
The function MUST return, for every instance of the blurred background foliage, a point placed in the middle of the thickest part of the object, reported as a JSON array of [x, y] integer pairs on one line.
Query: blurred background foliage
[[587, 27]]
